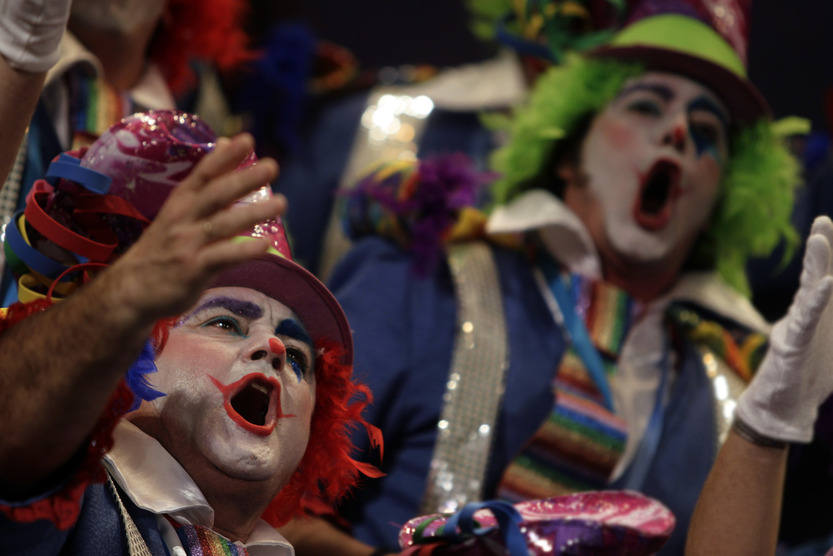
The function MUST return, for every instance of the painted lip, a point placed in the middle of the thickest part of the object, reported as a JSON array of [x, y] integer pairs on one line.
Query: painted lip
[[656, 221], [272, 414]]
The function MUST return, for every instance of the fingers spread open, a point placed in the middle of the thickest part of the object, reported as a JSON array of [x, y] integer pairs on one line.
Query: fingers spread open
[[225, 158], [227, 189], [239, 218]]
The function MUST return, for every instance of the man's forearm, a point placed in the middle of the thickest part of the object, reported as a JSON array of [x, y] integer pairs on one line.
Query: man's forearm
[[19, 91], [59, 368], [740, 506]]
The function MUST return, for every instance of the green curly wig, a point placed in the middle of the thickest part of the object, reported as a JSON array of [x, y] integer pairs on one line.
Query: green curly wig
[[756, 198]]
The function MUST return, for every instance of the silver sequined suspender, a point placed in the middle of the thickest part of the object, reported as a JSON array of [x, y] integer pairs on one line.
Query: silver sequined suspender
[[475, 382]]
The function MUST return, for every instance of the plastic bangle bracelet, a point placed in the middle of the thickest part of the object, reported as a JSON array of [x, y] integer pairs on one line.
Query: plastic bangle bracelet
[[748, 433], [68, 167], [108, 204], [13, 262], [61, 235], [26, 292], [28, 255], [64, 287]]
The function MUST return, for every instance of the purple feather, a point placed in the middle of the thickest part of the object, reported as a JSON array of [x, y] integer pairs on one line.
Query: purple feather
[[418, 206]]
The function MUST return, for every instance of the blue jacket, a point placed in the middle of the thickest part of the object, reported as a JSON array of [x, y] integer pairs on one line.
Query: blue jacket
[[404, 330]]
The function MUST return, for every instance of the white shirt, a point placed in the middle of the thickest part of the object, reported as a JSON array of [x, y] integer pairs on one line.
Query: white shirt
[[639, 370], [156, 482]]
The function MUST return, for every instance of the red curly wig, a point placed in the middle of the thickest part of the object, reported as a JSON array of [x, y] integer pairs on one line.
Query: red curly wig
[[209, 30]]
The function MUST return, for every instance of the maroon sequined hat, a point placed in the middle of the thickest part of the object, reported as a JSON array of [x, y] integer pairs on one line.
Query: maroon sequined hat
[[702, 39]]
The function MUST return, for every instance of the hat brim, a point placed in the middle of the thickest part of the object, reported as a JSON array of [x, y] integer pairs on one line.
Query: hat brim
[[745, 103], [298, 289]]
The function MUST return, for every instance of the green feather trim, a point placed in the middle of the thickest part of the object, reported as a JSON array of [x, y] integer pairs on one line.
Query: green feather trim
[[562, 97], [753, 214]]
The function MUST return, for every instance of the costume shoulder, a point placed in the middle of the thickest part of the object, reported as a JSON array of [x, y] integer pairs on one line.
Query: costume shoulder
[[719, 319], [403, 329], [420, 205]]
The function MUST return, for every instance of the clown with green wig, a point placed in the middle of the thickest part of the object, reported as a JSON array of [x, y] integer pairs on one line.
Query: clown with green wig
[[593, 331]]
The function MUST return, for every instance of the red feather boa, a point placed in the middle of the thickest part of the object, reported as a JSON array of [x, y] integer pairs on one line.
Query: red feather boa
[[327, 471]]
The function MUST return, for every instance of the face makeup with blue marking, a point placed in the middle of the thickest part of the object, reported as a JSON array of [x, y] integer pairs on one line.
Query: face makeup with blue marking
[[238, 374], [651, 167]]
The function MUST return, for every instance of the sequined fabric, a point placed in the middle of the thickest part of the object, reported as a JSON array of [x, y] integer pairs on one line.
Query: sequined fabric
[[588, 523], [201, 541], [475, 382]]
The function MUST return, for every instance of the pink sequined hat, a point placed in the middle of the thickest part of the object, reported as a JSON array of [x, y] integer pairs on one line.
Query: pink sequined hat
[[146, 155]]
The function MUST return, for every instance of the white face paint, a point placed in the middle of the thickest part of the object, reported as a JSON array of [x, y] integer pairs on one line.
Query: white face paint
[[652, 161], [123, 16], [238, 375]]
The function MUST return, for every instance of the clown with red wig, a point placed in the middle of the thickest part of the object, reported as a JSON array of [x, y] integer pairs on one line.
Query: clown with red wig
[[174, 383]]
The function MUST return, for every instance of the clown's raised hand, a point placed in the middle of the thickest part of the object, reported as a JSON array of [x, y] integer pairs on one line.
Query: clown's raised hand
[[190, 239], [796, 375], [61, 366]]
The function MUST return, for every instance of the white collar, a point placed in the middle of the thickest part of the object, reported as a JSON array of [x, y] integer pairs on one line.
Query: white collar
[[156, 482], [569, 241]]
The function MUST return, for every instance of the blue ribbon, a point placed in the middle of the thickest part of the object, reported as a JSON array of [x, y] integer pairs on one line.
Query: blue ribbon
[[577, 331], [30, 256], [69, 167], [461, 525]]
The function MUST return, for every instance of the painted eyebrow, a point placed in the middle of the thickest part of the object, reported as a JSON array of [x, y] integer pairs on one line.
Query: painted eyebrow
[[293, 329], [704, 103], [665, 93], [245, 309]]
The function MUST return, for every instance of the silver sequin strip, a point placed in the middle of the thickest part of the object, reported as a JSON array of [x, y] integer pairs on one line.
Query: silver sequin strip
[[475, 383]]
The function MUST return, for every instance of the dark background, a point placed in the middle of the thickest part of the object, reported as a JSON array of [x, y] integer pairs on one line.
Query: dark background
[[790, 48]]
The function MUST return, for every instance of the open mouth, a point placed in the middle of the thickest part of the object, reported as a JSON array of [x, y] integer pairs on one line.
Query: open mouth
[[253, 402], [659, 187]]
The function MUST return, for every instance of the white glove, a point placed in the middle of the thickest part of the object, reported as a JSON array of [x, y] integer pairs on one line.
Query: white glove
[[796, 375], [30, 31]]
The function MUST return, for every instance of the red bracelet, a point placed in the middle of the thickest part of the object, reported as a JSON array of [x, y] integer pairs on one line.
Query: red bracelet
[[61, 235]]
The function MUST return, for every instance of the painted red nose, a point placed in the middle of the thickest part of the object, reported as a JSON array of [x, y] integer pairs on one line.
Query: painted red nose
[[679, 136], [276, 346]]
